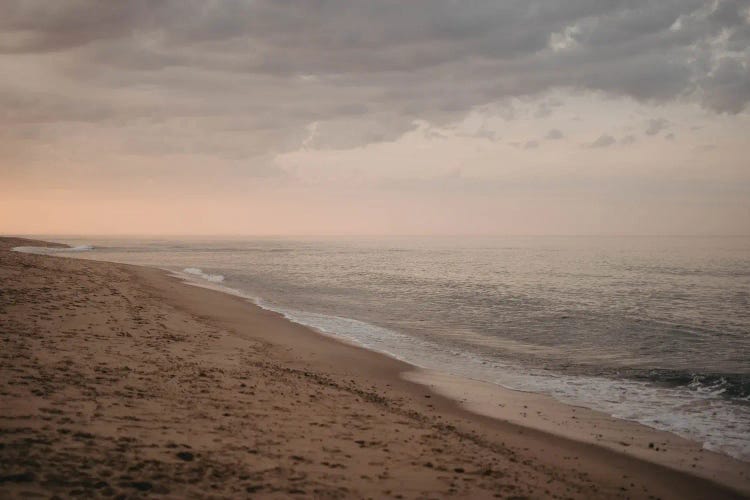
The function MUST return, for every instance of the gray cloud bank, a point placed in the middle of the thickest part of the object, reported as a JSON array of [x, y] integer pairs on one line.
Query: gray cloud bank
[[242, 78]]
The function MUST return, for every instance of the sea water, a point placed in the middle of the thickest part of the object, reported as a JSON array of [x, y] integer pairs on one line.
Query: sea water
[[650, 329]]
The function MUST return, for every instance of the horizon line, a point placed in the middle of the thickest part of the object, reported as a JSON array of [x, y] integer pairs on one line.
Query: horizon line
[[376, 235]]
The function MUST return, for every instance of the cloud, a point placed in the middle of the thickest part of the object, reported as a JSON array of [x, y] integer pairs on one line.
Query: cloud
[[554, 134], [546, 108], [656, 125], [603, 141], [531, 145], [363, 71], [627, 140], [727, 87]]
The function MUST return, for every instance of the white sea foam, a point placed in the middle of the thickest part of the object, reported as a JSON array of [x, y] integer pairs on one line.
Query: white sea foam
[[195, 271], [52, 250]]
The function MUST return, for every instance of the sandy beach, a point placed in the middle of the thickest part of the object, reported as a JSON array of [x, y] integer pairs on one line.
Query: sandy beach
[[122, 380]]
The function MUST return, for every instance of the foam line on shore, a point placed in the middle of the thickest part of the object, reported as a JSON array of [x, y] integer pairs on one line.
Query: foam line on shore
[[52, 250]]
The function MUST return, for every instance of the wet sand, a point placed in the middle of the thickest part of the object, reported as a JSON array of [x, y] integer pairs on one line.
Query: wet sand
[[121, 380]]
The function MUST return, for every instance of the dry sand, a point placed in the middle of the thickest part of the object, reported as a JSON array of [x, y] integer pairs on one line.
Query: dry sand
[[120, 380]]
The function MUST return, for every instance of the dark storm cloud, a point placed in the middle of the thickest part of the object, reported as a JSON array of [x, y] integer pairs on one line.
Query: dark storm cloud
[[364, 70]]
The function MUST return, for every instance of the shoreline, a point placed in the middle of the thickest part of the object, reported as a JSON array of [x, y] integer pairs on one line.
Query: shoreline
[[539, 411], [472, 393], [395, 387], [544, 413]]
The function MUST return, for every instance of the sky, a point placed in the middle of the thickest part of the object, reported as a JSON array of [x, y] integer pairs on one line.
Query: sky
[[245, 117]]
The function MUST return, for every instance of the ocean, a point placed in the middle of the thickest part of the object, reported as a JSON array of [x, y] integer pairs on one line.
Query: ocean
[[649, 329]]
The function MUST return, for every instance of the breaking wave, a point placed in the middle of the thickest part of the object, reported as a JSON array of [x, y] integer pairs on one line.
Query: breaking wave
[[213, 278]]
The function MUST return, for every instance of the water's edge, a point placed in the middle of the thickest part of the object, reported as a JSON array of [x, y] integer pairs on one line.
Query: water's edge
[[373, 342]]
